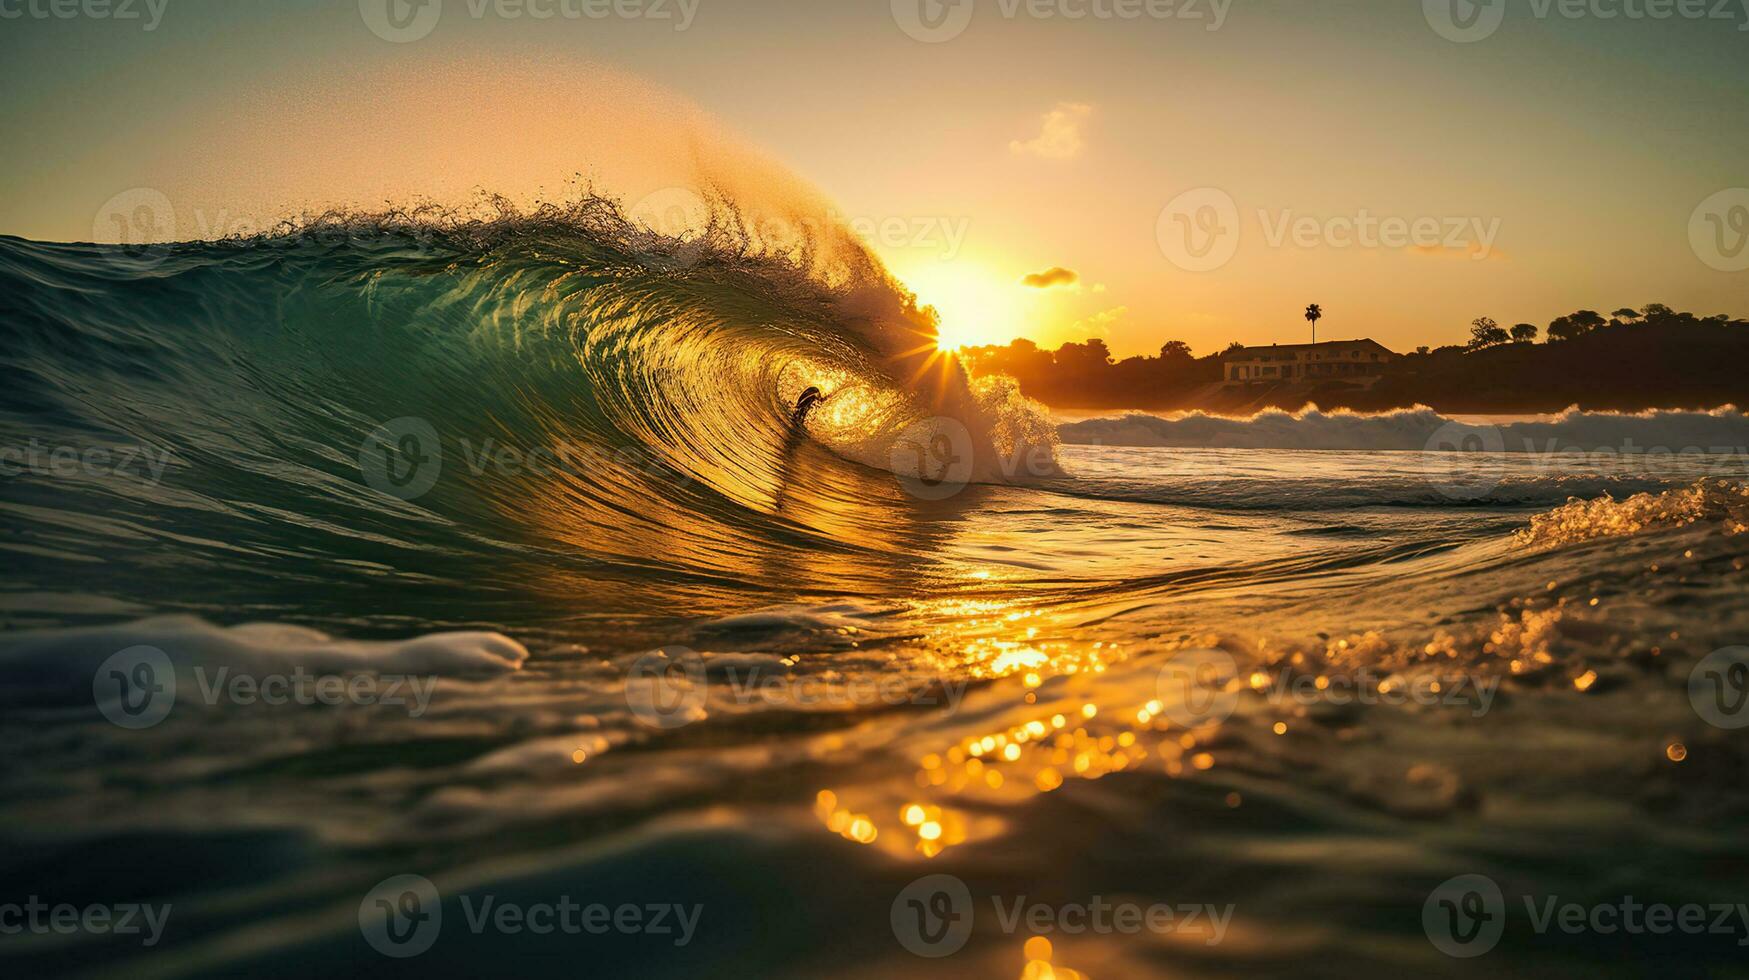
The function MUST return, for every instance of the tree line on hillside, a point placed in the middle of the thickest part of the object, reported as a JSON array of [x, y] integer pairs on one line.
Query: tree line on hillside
[[1485, 332], [1086, 375]]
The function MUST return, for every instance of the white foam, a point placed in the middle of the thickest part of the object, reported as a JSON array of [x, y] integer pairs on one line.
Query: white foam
[[57, 665], [1722, 430]]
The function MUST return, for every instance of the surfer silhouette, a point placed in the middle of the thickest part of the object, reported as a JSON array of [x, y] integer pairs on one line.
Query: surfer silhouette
[[809, 398], [792, 443]]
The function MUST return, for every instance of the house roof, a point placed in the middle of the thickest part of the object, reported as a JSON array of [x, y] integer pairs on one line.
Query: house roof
[[1321, 345]]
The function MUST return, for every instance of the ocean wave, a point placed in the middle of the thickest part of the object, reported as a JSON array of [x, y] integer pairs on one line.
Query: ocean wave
[[1717, 502], [615, 397], [1723, 430]]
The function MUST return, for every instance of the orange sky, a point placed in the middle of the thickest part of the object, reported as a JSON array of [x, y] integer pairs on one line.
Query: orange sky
[[1184, 178]]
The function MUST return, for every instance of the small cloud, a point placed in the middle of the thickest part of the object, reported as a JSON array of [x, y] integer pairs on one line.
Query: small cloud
[[1059, 136], [1056, 275], [1099, 287], [1100, 323]]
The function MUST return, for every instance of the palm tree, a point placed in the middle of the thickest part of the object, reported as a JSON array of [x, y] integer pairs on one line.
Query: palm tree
[[1314, 313]]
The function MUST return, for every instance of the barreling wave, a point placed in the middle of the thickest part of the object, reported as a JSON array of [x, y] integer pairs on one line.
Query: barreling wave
[[599, 389]]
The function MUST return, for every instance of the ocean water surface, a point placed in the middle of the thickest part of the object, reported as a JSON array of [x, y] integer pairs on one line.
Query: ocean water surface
[[497, 556]]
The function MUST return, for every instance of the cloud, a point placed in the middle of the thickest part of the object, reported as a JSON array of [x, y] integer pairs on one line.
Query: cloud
[[1059, 136], [1056, 275], [1100, 323]]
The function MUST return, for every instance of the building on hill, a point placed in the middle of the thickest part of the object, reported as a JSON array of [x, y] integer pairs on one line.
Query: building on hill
[[1345, 360]]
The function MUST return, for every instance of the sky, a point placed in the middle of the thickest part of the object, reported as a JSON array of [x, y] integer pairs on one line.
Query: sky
[[1134, 170]]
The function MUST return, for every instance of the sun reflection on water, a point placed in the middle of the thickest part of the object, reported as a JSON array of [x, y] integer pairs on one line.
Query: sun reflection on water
[[1049, 714]]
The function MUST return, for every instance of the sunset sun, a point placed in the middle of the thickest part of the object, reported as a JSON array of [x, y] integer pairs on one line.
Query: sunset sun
[[975, 304]]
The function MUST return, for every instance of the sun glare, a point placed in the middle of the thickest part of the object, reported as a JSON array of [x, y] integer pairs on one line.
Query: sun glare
[[976, 305]]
